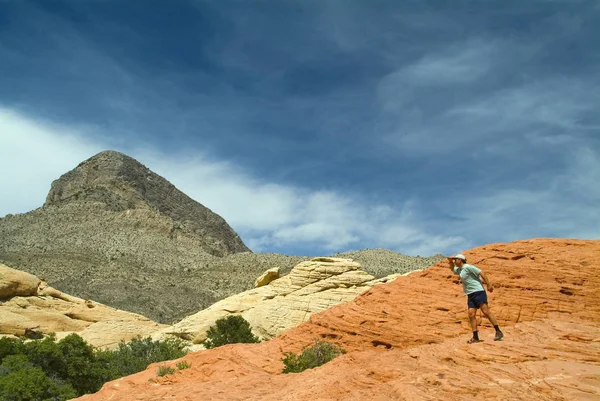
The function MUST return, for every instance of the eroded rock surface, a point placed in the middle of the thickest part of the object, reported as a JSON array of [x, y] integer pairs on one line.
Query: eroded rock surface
[[311, 287], [30, 306], [407, 340], [14, 283], [267, 277]]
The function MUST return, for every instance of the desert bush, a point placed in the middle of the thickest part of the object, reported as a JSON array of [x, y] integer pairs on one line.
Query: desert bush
[[33, 384], [9, 346], [230, 330], [165, 370], [80, 366], [137, 354], [183, 365], [50, 370], [311, 357], [21, 381], [14, 363], [45, 354]]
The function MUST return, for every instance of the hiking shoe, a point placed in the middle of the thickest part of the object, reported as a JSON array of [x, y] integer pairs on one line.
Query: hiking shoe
[[473, 341], [498, 336]]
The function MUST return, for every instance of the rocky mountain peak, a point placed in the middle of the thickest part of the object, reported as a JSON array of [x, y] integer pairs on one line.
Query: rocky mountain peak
[[109, 171], [119, 182]]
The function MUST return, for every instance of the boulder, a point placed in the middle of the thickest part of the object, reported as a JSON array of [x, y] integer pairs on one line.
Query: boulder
[[267, 277], [14, 283]]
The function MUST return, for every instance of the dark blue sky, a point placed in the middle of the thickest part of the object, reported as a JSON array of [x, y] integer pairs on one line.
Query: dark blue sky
[[320, 126]]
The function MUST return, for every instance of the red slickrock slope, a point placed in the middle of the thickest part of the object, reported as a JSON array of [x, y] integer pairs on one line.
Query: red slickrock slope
[[407, 340]]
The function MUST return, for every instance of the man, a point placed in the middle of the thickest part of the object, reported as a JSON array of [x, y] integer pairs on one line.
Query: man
[[471, 277]]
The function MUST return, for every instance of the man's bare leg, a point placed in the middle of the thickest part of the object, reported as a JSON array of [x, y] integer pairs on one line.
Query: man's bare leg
[[473, 318], [487, 312], [485, 309]]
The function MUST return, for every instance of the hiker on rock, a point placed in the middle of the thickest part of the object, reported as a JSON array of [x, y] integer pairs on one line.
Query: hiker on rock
[[471, 277]]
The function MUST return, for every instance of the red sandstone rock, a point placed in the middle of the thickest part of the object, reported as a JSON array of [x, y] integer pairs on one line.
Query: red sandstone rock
[[407, 340]]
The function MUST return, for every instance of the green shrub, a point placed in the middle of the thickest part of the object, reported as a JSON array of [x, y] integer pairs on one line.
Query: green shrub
[[21, 381], [136, 355], [33, 384], [230, 330], [13, 363], [183, 365], [45, 354], [50, 370], [9, 346], [80, 366], [165, 370], [320, 353]]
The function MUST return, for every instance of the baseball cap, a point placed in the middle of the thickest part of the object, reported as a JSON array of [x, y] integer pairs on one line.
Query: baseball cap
[[459, 256]]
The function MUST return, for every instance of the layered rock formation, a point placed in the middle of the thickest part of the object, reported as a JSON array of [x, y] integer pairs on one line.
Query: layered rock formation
[[31, 308], [311, 287], [407, 339]]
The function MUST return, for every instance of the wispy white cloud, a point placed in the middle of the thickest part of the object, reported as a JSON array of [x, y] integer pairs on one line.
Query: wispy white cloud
[[548, 110], [532, 144], [558, 102], [457, 64], [564, 204], [442, 72]]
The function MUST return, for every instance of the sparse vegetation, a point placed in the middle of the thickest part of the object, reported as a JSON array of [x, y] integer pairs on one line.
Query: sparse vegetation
[[60, 370], [230, 330], [318, 354], [165, 370], [183, 365]]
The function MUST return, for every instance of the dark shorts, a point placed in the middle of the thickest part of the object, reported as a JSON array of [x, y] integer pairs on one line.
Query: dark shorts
[[476, 299]]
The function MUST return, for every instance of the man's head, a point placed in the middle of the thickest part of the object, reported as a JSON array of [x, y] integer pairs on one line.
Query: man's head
[[459, 259]]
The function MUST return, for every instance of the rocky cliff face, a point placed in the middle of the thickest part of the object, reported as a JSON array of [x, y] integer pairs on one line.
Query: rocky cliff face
[[407, 339]]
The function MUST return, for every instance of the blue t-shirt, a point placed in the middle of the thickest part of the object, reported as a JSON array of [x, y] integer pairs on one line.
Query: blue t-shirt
[[469, 275]]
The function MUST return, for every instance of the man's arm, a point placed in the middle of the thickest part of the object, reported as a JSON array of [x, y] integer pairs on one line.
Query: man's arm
[[451, 264], [486, 281]]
